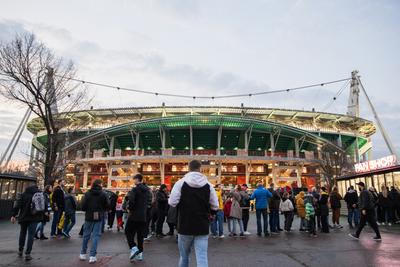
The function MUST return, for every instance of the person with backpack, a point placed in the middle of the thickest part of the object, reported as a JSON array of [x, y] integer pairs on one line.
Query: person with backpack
[[139, 201], [119, 213], [197, 202], [287, 208], [245, 204], [58, 205], [310, 214], [29, 209], [324, 209], [111, 213], [94, 204], [70, 210], [367, 207], [46, 218]]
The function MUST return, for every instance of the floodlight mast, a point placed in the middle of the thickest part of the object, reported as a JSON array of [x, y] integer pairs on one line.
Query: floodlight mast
[[355, 92]]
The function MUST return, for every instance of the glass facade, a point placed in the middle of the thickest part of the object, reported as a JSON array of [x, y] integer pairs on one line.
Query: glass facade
[[388, 179], [11, 187]]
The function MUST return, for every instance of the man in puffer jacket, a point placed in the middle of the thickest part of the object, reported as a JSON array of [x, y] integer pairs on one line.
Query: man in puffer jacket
[[351, 199], [27, 219], [261, 195]]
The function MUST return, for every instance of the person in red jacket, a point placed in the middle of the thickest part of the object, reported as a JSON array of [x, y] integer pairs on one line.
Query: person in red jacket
[[227, 213]]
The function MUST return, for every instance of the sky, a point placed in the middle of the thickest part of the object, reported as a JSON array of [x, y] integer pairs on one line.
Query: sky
[[205, 47]]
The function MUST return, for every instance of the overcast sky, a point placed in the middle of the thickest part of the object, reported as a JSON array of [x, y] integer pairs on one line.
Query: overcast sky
[[217, 47]]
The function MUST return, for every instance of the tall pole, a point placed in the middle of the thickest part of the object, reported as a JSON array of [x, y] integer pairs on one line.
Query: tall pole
[[378, 121]]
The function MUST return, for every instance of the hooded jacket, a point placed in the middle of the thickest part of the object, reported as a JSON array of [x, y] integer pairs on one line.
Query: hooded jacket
[[301, 210], [138, 203], [195, 198], [95, 204], [275, 201], [261, 195], [22, 207], [334, 200], [323, 203], [351, 198]]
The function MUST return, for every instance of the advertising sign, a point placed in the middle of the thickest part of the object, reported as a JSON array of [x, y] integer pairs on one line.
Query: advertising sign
[[376, 164]]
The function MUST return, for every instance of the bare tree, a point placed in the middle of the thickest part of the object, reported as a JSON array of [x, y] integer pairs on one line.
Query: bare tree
[[31, 74], [334, 164]]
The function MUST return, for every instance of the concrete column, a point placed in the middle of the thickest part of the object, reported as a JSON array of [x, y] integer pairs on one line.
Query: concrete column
[[137, 143], [272, 144], [340, 143], [85, 175], [357, 151], [109, 172], [299, 172], [297, 148], [87, 152], [219, 141], [273, 171], [248, 165], [191, 140], [162, 172], [112, 146], [219, 172]]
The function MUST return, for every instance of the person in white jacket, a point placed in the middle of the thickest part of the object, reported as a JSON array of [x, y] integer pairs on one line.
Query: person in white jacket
[[287, 208], [196, 200]]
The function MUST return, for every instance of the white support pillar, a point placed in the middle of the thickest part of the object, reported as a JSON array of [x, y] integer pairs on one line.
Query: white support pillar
[[296, 147], [109, 172], [112, 146], [191, 140], [273, 171], [87, 154], [219, 141], [340, 143], [357, 151], [162, 172], [219, 172], [272, 144], [85, 175], [299, 172], [248, 166], [137, 144]]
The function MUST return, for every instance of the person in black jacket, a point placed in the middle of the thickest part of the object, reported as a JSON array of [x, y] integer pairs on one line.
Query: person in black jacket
[[95, 204], [139, 201], [70, 210], [394, 196], [112, 211], [351, 199], [162, 209], [274, 204], [27, 219], [367, 207], [385, 204], [58, 200], [46, 218], [324, 210]]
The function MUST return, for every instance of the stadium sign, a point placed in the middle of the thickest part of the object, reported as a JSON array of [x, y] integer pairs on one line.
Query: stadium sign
[[376, 164]]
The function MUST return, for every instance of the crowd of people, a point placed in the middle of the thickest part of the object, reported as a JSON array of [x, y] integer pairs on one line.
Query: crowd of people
[[193, 208]]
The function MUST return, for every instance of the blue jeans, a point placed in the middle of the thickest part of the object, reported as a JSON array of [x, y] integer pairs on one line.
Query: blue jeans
[[69, 222], [353, 215], [264, 214], [56, 219], [40, 228], [91, 230], [185, 244], [218, 224], [274, 221]]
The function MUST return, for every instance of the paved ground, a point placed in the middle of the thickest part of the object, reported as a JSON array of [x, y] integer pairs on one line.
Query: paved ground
[[294, 249]]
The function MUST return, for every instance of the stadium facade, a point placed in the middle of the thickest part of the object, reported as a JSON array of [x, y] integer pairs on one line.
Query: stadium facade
[[236, 144]]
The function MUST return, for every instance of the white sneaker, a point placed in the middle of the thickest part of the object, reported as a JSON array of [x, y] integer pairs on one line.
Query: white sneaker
[[378, 223], [134, 252], [92, 259], [247, 233], [82, 257], [139, 256], [390, 224], [221, 236], [383, 223]]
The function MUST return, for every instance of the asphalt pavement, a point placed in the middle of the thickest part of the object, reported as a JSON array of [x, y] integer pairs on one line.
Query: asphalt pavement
[[286, 249]]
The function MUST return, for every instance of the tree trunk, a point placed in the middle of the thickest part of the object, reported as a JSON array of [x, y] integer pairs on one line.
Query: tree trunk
[[51, 157]]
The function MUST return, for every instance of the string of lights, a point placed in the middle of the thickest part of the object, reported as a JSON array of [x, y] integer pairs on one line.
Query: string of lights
[[208, 97]]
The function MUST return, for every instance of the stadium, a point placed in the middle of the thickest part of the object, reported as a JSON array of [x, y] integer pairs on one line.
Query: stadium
[[236, 144]]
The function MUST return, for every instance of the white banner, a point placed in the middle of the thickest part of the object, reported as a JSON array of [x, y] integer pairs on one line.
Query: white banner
[[376, 164]]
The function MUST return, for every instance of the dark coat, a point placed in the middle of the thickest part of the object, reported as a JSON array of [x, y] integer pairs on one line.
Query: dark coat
[[366, 200], [351, 198], [394, 196], [162, 201], [323, 203], [384, 202], [70, 204], [95, 204], [274, 201], [22, 207], [172, 216], [138, 203], [334, 200], [58, 199]]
